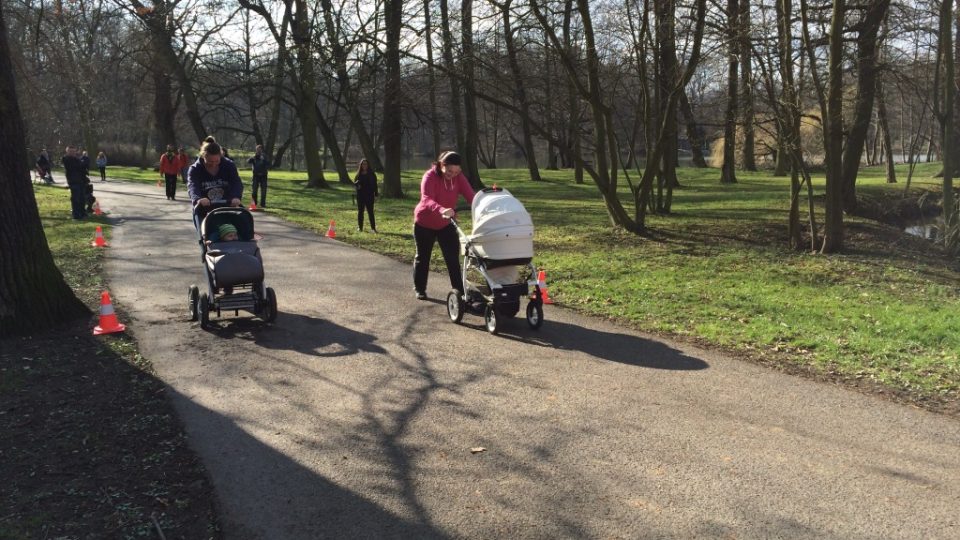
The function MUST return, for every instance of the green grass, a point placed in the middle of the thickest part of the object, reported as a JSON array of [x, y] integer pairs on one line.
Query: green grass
[[717, 270], [69, 241]]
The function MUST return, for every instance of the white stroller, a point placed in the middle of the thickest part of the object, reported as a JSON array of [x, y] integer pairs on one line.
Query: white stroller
[[497, 268]]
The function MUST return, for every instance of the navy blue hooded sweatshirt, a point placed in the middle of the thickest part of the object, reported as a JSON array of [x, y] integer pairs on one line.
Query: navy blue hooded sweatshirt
[[226, 185]]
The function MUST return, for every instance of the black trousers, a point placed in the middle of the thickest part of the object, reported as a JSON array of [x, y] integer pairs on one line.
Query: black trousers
[[449, 242], [103, 174], [171, 185], [365, 203], [260, 184], [78, 195]]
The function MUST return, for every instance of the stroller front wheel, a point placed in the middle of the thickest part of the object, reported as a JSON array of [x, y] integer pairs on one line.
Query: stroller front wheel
[[270, 308], [534, 315], [194, 298], [455, 306], [490, 319]]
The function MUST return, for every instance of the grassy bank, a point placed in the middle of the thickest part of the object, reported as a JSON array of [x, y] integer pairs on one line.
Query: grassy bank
[[717, 271], [91, 445]]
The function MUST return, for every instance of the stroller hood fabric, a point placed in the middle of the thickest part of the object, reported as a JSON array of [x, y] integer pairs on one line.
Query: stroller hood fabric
[[502, 228]]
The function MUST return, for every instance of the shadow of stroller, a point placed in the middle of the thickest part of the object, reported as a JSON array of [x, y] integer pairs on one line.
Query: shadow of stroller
[[295, 332], [615, 347]]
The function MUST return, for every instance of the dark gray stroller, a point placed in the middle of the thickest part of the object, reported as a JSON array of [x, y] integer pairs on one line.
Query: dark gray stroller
[[497, 268], [234, 269]]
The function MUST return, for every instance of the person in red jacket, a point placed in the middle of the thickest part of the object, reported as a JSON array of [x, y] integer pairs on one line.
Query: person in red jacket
[[170, 169], [441, 187]]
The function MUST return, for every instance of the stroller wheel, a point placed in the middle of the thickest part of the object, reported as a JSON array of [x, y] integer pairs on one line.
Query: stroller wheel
[[194, 298], [534, 315], [455, 306], [269, 313], [490, 319], [204, 308]]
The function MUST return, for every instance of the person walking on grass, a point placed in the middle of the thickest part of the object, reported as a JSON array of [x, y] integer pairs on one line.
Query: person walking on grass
[[441, 187], [169, 170], [102, 165], [367, 192], [260, 165]]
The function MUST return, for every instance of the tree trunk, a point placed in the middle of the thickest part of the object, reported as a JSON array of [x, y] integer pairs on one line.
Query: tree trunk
[[883, 125], [746, 94], [392, 127], [833, 136], [33, 293], [694, 133], [521, 94], [346, 92], [307, 97], [431, 79], [947, 122], [863, 104], [728, 172], [332, 148], [472, 134], [451, 68], [163, 111]]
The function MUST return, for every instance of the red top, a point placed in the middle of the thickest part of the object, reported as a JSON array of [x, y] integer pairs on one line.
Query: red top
[[169, 166], [437, 193]]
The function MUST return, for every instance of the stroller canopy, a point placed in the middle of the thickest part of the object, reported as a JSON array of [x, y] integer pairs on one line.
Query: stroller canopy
[[502, 228]]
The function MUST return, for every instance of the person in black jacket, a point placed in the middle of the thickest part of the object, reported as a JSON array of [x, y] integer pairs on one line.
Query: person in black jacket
[[76, 180], [260, 165], [366, 183]]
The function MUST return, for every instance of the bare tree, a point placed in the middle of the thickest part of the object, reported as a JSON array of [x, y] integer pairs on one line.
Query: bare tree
[[867, 47], [728, 171], [392, 129], [33, 293], [520, 90]]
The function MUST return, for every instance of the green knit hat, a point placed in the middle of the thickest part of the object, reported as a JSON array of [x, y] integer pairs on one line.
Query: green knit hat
[[225, 229]]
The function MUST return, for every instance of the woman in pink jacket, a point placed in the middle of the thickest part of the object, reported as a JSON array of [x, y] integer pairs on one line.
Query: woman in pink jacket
[[440, 188]]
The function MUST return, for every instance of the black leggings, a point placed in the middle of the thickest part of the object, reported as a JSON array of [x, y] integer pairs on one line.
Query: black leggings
[[171, 185], [365, 203], [449, 242]]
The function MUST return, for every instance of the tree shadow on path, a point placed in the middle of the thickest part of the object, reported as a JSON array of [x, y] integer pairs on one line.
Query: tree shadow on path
[[266, 494], [304, 334]]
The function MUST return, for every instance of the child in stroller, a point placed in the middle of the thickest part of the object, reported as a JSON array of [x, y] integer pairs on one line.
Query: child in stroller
[[497, 268], [231, 261]]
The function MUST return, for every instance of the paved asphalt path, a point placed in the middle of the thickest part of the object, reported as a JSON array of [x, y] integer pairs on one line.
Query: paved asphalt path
[[354, 415]]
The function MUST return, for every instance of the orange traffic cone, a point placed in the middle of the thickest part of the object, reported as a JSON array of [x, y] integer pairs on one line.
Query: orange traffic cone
[[331, 230], [98, 240], [108, 319], [542, 283], [253, 206], [96, 208]]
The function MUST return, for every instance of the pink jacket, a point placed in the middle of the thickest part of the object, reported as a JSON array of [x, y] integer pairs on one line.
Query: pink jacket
[[437, 193]]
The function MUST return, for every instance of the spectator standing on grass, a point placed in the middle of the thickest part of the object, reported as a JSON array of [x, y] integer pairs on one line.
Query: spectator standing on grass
[[170, 169], [441, 187], [367, 192], [85, 160], [260, 165], [73, 168], [102, 165]]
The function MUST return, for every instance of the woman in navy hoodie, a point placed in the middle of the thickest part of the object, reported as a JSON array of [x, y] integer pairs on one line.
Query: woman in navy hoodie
[[213, 179]]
